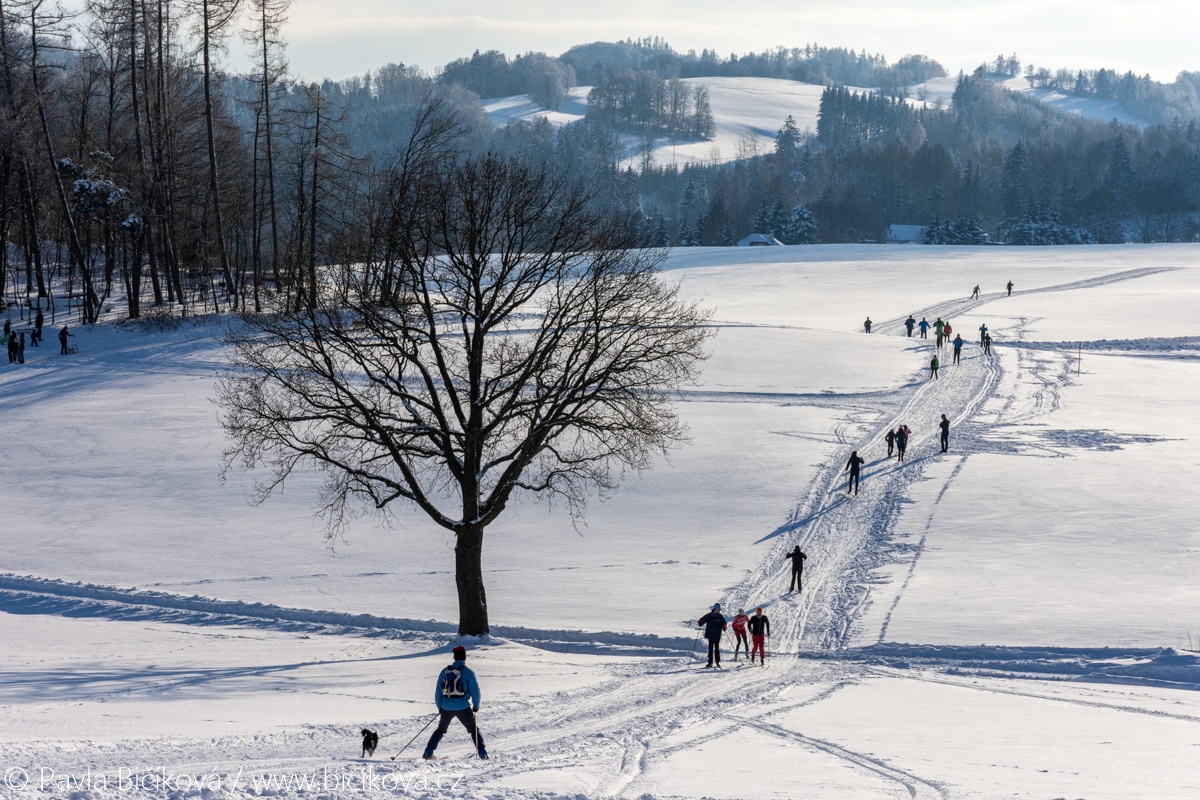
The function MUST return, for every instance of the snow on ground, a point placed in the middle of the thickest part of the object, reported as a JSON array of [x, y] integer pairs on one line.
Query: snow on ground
[[1013, 617], [941, 90], [748, 113]]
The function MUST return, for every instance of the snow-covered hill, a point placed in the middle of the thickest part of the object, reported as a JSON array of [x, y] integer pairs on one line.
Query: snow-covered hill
[[748, 113], [1014, 617], [941, 90]]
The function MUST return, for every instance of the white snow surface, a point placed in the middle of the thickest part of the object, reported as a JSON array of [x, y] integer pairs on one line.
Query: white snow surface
[[941, 90], [1015, 617], [748, 113]]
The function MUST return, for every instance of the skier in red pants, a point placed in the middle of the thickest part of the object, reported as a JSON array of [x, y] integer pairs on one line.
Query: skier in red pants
[[760, 628]]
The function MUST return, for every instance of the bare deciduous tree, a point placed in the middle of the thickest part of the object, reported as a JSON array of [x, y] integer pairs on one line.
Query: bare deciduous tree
[[525, 349]]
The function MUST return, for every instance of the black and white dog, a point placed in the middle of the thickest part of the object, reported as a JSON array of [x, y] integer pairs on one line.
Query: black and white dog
[[370, 742]]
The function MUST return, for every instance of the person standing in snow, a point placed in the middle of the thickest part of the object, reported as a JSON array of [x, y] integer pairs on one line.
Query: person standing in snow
[[798, 558], [975, 293], [853, 466], [1010, 285], [924, 326], [760, 628], [982, 333], [937, 330], [21, 349], [945, 426], [958, 346], [947, 330], [890, 438], [987, 344], [902, 434], [714, 625], [933, 368], [909, 324], [456, 696], [867, 325], [12, 347], [739, 633], [62, 339], [37, 328]]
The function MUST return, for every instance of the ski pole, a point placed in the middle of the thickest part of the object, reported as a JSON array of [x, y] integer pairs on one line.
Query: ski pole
[[410, 741], [695, 642], [475, 735]]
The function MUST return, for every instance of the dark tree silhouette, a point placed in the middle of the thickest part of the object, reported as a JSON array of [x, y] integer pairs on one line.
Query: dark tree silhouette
[[524, 349]]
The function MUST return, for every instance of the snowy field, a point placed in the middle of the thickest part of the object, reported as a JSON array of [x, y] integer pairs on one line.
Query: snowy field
[[941, 90], [1018, 617], [748, 113]]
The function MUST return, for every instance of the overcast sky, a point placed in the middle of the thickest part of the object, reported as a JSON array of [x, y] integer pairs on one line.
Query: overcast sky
[[337, 38]]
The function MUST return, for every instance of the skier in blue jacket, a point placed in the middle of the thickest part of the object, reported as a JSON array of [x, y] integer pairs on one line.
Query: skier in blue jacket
[[456, 695]]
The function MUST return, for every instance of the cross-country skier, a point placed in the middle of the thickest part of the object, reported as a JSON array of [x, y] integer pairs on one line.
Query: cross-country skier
[[714, 626], [924, 326], [933, 368], [982, 333], [867, 325], [958, 345], [937, 330], [947, 330], [890, 438], [975, 293], [987, 344], [760, 627], [456, 696], [1010, 285], [945, 426], [739, 633], [853, 465], [798, 558], [909, 324], [902, 434]]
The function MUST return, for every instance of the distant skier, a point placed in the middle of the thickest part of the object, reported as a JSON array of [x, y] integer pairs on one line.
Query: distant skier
[[21, 349], [902, 434], [924, 326], [909, 324], [975, 293], [947, 330], [890, 438], [760, 628], [739, 634], [853, 466], [938, 326], [867, 325], [958, 346], [798, 558], [945, 426], [714, 626], [456, 696], [62, 339], [1010, 285], [987, 344], [12, 347], [37, 327], [982, 333], [933, 368]]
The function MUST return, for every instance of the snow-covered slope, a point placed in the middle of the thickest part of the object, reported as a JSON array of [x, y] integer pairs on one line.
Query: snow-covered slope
[[748, 113], [1011, 617], [941, 90]]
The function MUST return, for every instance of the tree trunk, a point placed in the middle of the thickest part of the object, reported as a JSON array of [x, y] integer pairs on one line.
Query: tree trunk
[[468, 575]]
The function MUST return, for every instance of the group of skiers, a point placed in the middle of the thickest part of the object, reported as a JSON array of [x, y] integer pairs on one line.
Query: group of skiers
[[758, 625], [14, 341]]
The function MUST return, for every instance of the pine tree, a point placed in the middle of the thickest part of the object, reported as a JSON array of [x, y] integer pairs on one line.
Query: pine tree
[[801, 227]]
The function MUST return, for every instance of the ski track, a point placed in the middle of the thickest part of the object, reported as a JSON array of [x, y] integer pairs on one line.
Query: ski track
[[618, 723]]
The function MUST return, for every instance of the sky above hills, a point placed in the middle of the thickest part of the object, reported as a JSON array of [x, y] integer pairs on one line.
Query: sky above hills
[[336, 38]]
